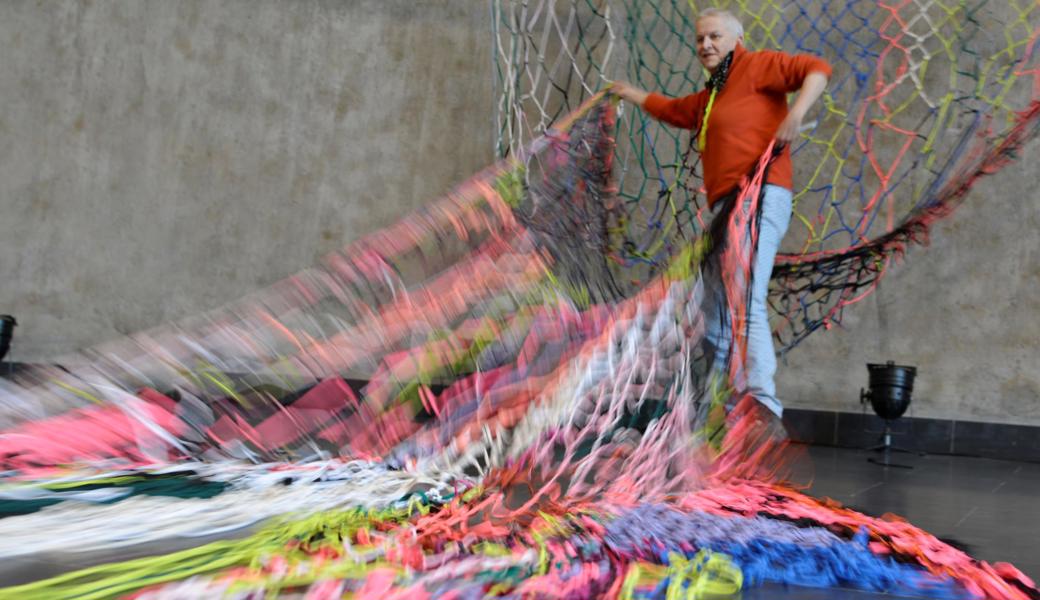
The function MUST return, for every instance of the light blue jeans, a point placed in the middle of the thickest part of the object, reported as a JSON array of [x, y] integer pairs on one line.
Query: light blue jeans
[[761, 356]]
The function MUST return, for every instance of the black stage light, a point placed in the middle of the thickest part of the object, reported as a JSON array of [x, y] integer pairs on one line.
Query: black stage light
[[7, 324], [891, 386]]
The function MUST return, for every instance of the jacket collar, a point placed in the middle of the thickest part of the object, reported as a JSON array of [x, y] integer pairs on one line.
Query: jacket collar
[[717, 80]]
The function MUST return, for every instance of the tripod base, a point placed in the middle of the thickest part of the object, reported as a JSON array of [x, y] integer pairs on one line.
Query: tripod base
[[886, 449], [885, 461]]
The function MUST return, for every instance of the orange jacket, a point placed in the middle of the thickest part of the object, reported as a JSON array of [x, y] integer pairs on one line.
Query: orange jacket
[[744, 118]]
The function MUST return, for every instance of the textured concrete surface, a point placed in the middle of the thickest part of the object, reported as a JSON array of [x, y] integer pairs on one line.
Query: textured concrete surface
[[962, 309], [161, 158]]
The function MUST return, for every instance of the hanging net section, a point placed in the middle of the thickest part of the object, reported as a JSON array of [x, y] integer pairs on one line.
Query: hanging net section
[[925, 98]]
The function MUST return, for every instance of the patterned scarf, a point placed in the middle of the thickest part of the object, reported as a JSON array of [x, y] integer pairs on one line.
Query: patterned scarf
[[715, 83], [718, 78]]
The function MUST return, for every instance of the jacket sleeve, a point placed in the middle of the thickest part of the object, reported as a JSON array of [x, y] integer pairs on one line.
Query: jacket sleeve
[[785, 73], [685, 112]]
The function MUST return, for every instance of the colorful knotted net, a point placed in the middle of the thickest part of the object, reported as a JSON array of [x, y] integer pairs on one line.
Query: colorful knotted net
[[491, 397], [926, 96]]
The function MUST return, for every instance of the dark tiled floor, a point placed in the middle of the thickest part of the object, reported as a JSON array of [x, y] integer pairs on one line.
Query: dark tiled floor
[[989, 506], [937, 436]]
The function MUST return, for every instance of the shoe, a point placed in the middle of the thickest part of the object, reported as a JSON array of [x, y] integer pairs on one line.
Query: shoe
[[753, 417], [755, 442]]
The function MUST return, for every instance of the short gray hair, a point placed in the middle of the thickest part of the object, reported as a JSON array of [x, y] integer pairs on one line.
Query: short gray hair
[[734, 23]]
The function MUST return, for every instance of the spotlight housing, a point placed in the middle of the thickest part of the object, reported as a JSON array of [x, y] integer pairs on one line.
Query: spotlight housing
[[7, 325], [891, 387]]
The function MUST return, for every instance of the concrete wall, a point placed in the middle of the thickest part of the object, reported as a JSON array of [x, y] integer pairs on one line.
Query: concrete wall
[[159, 158], [964, 310]]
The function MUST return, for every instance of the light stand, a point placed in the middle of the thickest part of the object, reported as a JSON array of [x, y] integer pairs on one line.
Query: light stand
[[889, 395]]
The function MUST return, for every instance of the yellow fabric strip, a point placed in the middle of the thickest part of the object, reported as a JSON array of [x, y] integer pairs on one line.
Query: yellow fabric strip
[[703, 135]]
